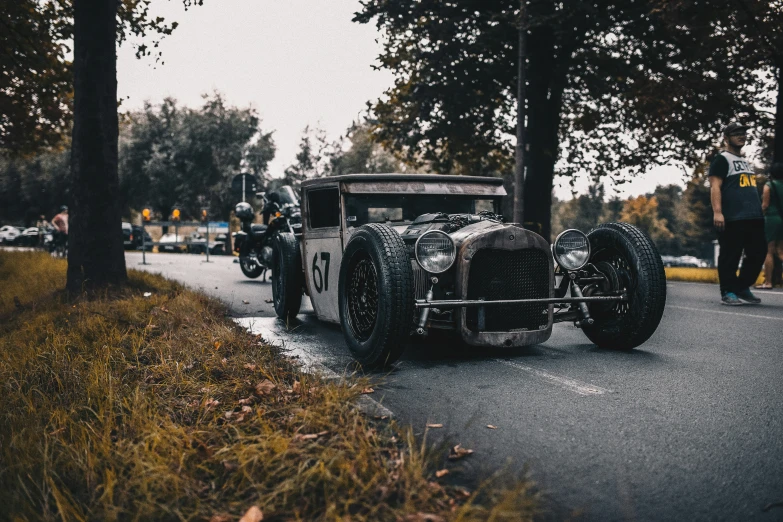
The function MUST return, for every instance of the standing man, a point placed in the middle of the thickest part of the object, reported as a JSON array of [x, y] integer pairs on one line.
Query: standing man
[[60, 222], [737, 217]]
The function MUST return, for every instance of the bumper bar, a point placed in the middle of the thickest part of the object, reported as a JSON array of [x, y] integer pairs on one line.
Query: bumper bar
[[460, 303]]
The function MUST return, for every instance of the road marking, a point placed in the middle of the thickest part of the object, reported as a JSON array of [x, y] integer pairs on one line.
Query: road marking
[[582, 388], [727, 313]]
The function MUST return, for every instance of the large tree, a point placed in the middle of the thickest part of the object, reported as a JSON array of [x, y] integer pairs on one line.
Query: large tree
[[175, 155], [612, 86]]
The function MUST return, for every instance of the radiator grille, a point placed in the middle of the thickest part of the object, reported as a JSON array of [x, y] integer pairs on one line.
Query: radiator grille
[[421, 283], [504, 274]]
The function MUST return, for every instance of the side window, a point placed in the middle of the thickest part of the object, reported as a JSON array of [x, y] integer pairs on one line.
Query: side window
[[324, 208]]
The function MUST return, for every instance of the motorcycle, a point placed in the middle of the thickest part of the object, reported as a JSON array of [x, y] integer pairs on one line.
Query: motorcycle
[[281, 213]]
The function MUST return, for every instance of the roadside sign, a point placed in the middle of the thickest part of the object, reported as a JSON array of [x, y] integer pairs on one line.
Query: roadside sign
[[215, 227], [244, 185]]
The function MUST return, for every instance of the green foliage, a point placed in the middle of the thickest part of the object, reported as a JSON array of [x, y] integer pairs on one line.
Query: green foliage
[[613, 86], [36, 87], [174, 155], [357, 152], [34, 185]]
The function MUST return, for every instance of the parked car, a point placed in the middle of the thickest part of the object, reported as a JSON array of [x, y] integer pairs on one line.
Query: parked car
[[686, 261], [197, 245], [388, 256], [172, 243], [132, 239], [9, 233], [137, 238], [29, 237]]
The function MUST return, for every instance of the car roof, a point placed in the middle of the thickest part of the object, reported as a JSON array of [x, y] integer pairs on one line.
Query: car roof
[[413, 183]]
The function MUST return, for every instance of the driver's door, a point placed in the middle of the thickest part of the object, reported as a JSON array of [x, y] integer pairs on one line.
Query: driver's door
[[322, 250]]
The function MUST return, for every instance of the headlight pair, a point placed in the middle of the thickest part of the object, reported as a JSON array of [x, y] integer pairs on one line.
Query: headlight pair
[[435, 251], [571, 249]]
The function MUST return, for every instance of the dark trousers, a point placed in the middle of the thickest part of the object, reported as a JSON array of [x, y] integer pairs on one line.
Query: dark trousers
[[747, 235]]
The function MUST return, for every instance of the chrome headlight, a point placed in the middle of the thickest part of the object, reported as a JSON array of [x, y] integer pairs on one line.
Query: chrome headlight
[[435, 251], [571, 249]]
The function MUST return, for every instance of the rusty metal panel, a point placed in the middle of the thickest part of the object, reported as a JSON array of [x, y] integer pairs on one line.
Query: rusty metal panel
[[502, 237]]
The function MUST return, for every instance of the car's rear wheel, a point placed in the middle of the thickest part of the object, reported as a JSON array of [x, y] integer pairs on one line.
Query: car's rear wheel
[[631, 263], [286, 275], [376, 295]]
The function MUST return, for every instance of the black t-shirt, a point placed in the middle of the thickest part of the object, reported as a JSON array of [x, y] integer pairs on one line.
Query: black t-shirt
[[739, 196]]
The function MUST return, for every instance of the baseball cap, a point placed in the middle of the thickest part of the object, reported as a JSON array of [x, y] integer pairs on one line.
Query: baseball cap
[[734, 128]]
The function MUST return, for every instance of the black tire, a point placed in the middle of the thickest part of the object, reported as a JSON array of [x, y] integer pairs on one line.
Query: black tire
[[636, 261], [286, 275], [376, 295], [252, 269]]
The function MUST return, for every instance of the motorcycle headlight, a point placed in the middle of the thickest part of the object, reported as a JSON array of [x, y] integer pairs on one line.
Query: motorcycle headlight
[[435, 251], [571, 249]]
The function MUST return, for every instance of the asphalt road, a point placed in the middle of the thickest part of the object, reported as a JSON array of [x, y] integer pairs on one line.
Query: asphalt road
[[687, 427]]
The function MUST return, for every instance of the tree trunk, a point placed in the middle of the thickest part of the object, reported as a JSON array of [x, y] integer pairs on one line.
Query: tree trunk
[[547, 80], [777, 151], [96, 256]]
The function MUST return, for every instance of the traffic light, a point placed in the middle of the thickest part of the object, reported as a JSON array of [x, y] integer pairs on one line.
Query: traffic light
[[204, 215], [175, 214], [146, 214]]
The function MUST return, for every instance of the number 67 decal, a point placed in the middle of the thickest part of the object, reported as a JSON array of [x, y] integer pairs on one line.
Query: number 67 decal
[[321, 281]]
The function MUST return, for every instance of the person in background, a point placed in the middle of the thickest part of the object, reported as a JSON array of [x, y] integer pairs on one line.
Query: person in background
[[41, 225], [737, 217], [772, 205], [60, 222]]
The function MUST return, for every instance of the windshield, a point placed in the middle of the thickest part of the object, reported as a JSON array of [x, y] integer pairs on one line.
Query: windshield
[[287, 195], [361, 209]]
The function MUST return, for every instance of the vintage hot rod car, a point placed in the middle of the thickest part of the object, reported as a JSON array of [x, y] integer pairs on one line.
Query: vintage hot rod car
[[391, 255]]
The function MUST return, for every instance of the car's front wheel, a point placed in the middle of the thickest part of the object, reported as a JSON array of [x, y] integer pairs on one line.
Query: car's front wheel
[[376, 295], [628, 259]]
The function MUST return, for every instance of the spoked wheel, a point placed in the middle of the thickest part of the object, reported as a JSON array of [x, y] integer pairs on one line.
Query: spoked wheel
[[362, 298], [628, 259], [376, 295]]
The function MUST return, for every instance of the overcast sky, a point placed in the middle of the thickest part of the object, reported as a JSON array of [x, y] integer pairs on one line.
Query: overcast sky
[[298, 62]]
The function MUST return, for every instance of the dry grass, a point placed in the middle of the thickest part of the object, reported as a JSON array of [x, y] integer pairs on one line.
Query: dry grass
[[123, 407], [697, 275]]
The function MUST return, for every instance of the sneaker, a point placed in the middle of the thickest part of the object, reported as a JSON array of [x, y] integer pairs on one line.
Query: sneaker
[[746, 296], [731, 299]]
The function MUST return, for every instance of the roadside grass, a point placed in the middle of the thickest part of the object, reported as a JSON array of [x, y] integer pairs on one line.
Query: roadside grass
[[125, 407], [697, 275]]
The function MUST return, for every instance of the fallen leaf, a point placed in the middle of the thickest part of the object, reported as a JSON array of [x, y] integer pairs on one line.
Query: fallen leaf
[[457, 452], [441, 472], [268, 301], [245, 402], [247, 409], [297, 387], [252, 515], [211, 403], [490, 426], [165, 310], [228, 415], [224, 360], [434, 425], [220, 518], [251, 367], [368, 390], [147, 294], [265, 387], [246, 302], [462, 491], [217, 345]]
